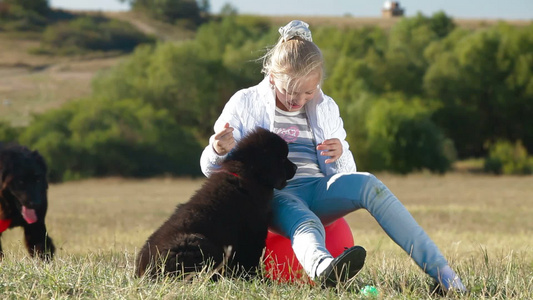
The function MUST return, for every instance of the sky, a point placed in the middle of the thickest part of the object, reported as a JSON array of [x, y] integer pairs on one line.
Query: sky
[[459, 9]]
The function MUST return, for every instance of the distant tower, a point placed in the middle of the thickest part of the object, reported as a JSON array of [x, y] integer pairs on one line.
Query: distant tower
[[392, 9]]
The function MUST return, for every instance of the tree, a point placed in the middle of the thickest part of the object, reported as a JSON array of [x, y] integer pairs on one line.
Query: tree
[[175, 77], [92, 33], [228, 10], [171, 10], [40, 7], [97, 137], [441, 24], [403, 138], [204, 6], [485, 81], [8, 134], [24, 15]]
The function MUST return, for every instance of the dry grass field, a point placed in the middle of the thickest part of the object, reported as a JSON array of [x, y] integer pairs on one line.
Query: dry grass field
[[463, 212], [483, 225], [35, 83]]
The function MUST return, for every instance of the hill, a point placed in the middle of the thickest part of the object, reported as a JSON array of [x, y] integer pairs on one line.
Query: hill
[[34, 83]]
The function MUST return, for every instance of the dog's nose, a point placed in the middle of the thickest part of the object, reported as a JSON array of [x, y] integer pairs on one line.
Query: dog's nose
[[291, 170]]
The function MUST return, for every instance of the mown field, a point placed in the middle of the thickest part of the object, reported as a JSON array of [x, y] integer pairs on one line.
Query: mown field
[[483, 225]]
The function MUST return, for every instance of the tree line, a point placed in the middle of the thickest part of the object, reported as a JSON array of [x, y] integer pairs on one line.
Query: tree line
[[415, 97]]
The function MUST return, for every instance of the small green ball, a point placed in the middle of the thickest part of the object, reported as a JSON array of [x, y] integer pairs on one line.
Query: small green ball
[[369, 291]]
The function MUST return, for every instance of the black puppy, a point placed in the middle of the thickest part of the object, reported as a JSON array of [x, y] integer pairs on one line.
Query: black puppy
[[225, 222], [23, 198]]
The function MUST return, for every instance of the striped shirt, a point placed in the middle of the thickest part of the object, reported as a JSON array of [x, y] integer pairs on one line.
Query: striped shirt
[[294, 129]]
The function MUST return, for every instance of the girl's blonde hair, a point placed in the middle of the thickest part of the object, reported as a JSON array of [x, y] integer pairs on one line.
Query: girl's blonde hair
[[291, 60]]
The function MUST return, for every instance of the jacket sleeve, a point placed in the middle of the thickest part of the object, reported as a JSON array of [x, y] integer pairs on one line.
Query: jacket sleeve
[[345, 163], [210, 160]]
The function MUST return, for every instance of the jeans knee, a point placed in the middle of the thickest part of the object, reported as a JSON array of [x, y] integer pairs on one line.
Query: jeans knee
[[371, 179], [309, 225], [374, 191]]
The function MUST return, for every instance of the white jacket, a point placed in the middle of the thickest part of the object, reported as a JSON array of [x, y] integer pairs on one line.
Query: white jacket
[[255, 107]]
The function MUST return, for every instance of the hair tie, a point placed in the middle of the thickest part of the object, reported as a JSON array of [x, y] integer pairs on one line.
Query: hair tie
[[294, 29]]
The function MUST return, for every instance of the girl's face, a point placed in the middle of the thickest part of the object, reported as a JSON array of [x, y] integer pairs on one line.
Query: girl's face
[[293, 98]]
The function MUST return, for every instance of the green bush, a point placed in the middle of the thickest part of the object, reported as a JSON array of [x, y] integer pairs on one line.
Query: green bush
[[484, 80], [170, 11], [176, 77], [508, 158], [40, 7], [92, 34], [20, 19], [402, 138], [92, 138], [8, 134]]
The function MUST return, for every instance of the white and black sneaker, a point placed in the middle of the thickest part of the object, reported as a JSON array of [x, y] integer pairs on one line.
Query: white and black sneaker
[[344, 267]]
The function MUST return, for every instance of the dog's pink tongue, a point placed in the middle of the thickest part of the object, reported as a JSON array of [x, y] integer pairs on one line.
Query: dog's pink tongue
[[29, 215]]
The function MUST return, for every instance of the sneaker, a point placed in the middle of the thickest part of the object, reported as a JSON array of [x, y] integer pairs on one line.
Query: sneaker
[[344, 267], [446, 290], [448, 282]]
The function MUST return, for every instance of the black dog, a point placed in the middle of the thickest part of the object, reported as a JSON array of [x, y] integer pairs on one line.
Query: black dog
[[23, 198], [225, 222]]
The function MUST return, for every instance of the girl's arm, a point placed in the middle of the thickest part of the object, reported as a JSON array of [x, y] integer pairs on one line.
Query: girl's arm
[[345, 163], [210, 159]]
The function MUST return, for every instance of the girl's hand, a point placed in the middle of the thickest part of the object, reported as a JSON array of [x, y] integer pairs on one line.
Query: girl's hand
[[224, 140], [331, 148]]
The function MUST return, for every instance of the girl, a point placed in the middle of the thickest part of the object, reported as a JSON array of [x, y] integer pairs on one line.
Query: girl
[[289, 101]]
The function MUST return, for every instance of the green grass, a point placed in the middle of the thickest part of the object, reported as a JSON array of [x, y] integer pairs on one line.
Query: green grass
[[109, 275], [482, 224]]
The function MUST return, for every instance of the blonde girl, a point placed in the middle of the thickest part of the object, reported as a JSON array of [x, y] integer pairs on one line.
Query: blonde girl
[[327, 186]]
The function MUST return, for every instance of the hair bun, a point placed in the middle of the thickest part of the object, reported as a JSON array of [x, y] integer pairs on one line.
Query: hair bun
[[295, 28]]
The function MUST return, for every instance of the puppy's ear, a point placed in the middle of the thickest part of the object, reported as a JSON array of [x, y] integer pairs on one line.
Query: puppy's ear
[[4, 179], [40, 159], [3, 172], [42, 163], [6, 167], [1, 177]]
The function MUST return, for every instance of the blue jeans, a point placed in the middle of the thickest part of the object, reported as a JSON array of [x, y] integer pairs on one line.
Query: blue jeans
[[302, 209]]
